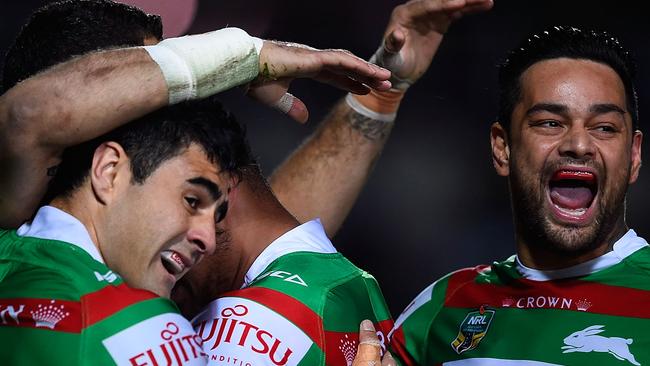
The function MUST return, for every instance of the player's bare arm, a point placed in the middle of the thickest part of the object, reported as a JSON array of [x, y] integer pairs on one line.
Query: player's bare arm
[[86, 97], [69, 103], [324, 176]]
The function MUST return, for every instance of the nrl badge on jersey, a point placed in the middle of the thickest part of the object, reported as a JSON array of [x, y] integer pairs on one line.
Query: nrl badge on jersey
[[472, 330]]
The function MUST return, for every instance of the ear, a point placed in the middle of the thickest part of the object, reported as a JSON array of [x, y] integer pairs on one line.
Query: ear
[[500, 149], [592, 332], [110, 167], [635, 165]]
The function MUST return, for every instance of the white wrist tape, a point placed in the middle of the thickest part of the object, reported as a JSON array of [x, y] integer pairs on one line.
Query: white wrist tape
[[392, 62], [364, 111], [201, 65]]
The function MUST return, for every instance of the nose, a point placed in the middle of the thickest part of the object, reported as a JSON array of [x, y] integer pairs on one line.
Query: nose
[[577, 143], [202, 233]]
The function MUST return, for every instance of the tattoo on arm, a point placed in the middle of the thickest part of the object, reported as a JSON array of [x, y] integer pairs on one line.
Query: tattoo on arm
[[371, 129]]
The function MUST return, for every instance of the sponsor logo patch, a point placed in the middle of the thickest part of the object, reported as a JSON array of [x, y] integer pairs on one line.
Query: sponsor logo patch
[[473, 329], [49, 315], [166, 339], [546, 302], [243, 332]]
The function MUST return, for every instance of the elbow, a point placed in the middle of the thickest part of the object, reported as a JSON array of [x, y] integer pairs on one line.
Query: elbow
[[24, 120]]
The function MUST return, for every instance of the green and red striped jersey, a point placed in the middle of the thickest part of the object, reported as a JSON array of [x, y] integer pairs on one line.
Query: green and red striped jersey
[[594, 313], [301, 305], [60, 305]]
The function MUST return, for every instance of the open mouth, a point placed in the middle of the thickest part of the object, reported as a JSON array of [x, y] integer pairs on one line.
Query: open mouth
[[173, 262], [572, 192]]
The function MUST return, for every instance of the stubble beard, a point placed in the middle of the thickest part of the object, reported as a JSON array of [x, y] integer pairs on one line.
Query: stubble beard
[[534, 224]]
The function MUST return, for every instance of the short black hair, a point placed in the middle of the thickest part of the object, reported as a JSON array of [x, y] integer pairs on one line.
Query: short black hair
[[569, 42], [62, 30], [159, 136]]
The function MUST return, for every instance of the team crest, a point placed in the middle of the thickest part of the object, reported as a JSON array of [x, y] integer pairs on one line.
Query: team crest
[[472, 330]]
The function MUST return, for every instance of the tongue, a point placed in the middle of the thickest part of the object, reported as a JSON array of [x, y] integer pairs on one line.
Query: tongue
[[572, 198]]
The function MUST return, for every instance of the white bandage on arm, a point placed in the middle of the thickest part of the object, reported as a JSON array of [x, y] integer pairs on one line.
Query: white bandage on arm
[[201, 65]]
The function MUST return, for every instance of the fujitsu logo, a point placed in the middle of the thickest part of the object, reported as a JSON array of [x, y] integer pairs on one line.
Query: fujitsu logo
[[174, 349], [227, 329], [48, 316]]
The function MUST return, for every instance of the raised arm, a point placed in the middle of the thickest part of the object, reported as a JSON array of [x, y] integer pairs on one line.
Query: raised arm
[[63, 106], [324, 176], [90, 95]]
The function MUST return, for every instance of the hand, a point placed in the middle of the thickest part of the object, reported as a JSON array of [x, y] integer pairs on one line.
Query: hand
[[369, 351], [281, 62], [414, 33]]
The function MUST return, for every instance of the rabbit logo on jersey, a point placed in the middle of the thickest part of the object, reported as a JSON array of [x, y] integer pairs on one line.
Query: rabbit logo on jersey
[[240, 332], [586, 340]]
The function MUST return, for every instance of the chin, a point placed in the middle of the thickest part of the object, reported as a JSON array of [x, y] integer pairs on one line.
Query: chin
[[570, 239]]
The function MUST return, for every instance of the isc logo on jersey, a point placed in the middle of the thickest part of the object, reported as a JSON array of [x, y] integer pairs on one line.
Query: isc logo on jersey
[[241, 332], [166, 339]]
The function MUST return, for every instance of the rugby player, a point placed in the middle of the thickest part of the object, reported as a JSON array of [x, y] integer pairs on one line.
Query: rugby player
[[144, 207], [576, 292]]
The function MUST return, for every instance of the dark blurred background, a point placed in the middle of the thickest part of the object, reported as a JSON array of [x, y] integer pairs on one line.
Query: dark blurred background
[[433, 203]]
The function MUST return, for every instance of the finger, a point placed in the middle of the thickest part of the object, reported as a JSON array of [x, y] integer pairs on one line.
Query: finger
[[395, 41], [342, 82], [477, 7], [346, 76], [341, 61], [292, 107], [388, 360], [369, 351], [428, 7]]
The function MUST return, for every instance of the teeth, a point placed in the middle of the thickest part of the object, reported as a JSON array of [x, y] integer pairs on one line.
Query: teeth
[[172, 261], [575, 213]]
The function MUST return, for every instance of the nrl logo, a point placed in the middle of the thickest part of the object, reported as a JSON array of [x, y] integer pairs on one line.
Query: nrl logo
[[472, 330]]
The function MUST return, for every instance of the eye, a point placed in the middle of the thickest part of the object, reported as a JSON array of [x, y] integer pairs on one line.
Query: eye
[[606, 128], [193, 202], [548, 123]]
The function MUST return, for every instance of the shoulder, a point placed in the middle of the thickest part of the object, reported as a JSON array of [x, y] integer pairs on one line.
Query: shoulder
[[265, 326], [413, 325], [307, 276]]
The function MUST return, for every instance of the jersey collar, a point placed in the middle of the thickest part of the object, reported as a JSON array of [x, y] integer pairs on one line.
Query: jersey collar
[[50, 223], [308, 237], [623, 248]]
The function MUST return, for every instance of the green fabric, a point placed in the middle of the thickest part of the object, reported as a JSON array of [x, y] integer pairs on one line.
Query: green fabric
[[532, 320], [45, 272]]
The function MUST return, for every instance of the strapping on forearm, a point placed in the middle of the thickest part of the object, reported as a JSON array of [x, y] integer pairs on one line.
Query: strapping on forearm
[[377, 105], [201, 65]]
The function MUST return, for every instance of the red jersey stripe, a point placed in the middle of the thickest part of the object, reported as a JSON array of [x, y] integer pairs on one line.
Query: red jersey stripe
[[298, 313], [48, 314], [109, 300], [568, 294], [340, 347]]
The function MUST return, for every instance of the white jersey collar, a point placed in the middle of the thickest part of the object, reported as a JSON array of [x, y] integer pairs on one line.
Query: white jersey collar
[[309, 237], [53, 224], [624, 247]]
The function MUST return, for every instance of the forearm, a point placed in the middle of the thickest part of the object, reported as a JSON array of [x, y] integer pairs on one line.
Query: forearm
[[325, 175], [84, 98]]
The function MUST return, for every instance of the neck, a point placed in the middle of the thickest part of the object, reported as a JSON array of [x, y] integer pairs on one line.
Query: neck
[[255, 220], [78, 206], [542, 255]]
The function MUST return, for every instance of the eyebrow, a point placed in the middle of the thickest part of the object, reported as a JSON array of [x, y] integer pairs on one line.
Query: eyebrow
[[212, 188], [601, 108], [547, 107], [606, 108]]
